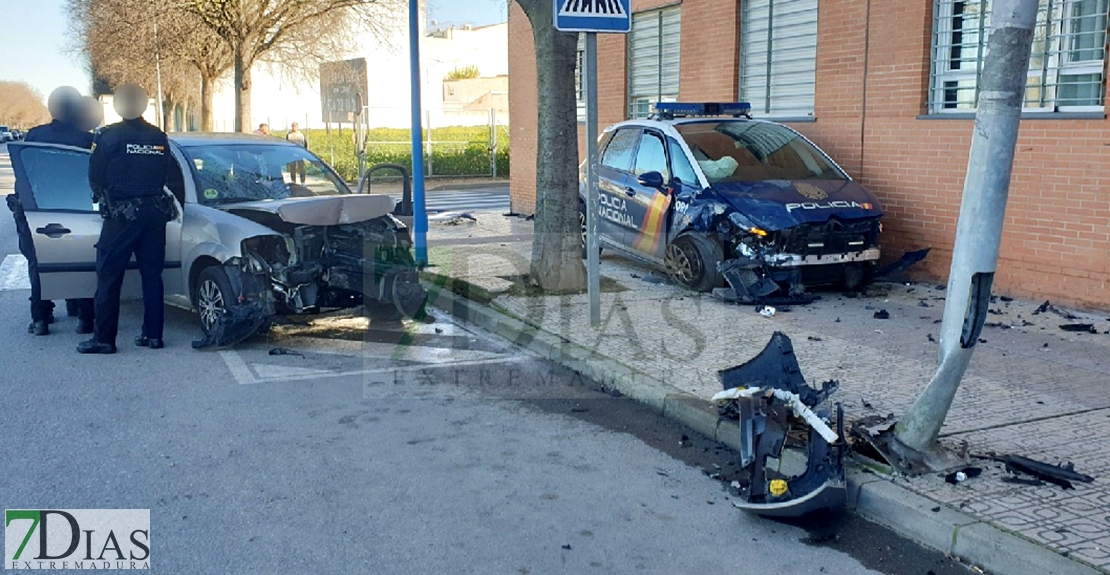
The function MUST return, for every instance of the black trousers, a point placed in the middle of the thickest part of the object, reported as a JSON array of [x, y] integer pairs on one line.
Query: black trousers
[[145, 238]]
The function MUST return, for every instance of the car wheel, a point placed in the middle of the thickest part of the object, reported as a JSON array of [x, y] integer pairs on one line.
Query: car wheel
[[854, 275], [582, 224], [381, 311], [211, 296], [691, 261]]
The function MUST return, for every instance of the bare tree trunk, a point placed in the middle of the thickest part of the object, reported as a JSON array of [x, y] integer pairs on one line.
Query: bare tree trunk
[[167, 115], [242, 92], [206, 97], [556, 250]]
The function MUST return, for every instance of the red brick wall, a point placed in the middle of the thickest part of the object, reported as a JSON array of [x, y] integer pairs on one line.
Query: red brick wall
[[523, 110], [1056, 241]]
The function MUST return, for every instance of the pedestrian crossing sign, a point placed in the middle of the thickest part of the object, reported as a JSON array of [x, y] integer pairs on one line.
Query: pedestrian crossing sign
[[593, 15]]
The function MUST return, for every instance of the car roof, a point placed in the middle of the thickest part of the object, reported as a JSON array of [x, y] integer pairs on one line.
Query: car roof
[[684, 120], [190, 139]]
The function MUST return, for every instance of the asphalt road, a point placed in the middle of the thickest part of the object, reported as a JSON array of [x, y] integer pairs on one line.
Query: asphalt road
[[490, 198], [330, 446]]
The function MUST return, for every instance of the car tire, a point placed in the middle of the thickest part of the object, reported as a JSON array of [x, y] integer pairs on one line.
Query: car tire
[[211, 296], [376, 310], [582, 225], [691, 262]]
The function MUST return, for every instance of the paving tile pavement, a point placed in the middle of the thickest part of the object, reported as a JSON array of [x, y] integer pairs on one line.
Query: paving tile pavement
[[1032, 388]]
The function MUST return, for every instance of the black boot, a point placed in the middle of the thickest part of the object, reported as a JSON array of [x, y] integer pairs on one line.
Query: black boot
[[93, 346], [84, 326], [152, 343]]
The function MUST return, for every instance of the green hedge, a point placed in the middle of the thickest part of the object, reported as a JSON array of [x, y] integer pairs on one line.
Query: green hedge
[[457, 150]]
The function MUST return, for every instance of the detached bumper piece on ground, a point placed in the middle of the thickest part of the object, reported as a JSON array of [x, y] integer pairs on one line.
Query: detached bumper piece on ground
[[793, 458]]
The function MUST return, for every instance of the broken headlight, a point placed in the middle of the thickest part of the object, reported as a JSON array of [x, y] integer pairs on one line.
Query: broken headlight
[[262, 253]]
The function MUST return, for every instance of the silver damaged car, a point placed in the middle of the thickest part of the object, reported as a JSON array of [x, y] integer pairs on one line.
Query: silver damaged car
[[251, 241]]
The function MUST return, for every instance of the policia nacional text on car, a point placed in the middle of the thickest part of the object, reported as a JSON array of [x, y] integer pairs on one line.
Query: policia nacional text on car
[[128, 169]]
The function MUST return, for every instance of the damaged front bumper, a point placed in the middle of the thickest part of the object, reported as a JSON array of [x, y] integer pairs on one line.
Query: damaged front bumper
[[317, 267], [793, 458], [339, 266], [775, 267]]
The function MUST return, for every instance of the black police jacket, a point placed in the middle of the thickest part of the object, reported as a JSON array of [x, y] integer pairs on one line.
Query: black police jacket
[[58, 132], [131, 159]]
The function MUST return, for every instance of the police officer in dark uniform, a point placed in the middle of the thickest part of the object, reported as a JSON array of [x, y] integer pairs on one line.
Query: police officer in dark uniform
[[128, 170], [67, 110]]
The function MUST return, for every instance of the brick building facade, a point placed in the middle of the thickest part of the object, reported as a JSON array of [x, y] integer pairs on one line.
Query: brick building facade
[[888, 90]]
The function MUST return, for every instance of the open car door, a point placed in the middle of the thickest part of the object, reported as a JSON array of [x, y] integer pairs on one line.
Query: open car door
[[52, 182]]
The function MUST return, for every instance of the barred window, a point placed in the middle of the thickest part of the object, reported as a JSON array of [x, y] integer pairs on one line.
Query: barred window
[[1065, 68], [579, 67], [778, 56], [653, 59]]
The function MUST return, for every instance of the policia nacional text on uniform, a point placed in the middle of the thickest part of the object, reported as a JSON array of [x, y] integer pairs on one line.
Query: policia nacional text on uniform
[[128, 170]]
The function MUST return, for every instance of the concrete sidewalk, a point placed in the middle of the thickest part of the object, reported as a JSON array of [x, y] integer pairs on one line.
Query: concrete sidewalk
[[1032, 389]]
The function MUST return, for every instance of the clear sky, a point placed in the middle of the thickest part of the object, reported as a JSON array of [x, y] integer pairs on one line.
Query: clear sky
[[34, 37]]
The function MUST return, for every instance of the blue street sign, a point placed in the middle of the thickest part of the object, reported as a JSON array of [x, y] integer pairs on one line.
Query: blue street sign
[[593, 15]]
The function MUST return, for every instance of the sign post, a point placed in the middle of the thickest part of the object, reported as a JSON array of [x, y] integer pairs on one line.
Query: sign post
[[342, 85], [591, 17]]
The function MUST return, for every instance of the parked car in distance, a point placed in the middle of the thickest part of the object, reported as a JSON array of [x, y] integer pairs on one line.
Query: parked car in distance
[[6, 134], [250, 242], [712, 196]]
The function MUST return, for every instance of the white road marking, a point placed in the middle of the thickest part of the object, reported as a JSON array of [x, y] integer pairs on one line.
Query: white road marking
[[254, 365], [13, 273], [257, 372]]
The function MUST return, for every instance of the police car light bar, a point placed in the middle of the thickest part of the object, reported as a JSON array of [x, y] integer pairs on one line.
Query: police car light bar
[[664, 110]]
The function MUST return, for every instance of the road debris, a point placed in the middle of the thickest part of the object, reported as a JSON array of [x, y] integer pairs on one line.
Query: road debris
[[903, 263], [767, 311], [882, 314], [1062, 475], [793, 458], [1079, 327], [963, 475], [285, 351], [458, 219]]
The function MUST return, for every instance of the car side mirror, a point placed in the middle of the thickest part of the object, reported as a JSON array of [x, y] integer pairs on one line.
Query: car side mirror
[[651, 180]]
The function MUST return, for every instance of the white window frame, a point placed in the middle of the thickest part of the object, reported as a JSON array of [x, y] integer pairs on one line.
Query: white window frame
[[666, 59], [1049, 65], [778, 57], [579, 66]]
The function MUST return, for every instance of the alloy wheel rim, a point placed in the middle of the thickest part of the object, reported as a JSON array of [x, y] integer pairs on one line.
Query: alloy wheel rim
[[678, 265], [582, 222], [210, 302]]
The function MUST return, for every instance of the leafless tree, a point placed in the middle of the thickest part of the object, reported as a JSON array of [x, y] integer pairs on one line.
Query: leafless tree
[[124, 41], [21, 106], [292, 34], [556, 247]]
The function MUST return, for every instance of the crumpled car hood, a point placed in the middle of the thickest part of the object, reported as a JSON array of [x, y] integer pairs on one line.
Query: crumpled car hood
[[780, 204], [320, 211]]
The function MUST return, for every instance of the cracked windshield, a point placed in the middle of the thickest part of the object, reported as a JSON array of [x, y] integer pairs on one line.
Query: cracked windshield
[[231, 174]]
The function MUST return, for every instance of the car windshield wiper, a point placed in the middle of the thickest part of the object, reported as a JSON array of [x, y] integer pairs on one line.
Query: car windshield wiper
[[225, 200]]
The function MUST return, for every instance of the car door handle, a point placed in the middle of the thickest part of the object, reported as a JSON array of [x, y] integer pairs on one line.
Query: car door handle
[[54, 231], [629, 192]]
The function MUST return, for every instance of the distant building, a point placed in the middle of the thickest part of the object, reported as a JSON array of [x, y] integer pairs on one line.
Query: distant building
[[279, 101]]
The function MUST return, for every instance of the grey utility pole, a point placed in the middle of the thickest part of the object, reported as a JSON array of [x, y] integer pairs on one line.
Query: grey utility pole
[[982, 212], [593, 261]]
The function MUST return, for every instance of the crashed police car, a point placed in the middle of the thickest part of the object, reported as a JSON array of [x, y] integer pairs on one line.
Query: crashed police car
[[250, 241], [713, 196]]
